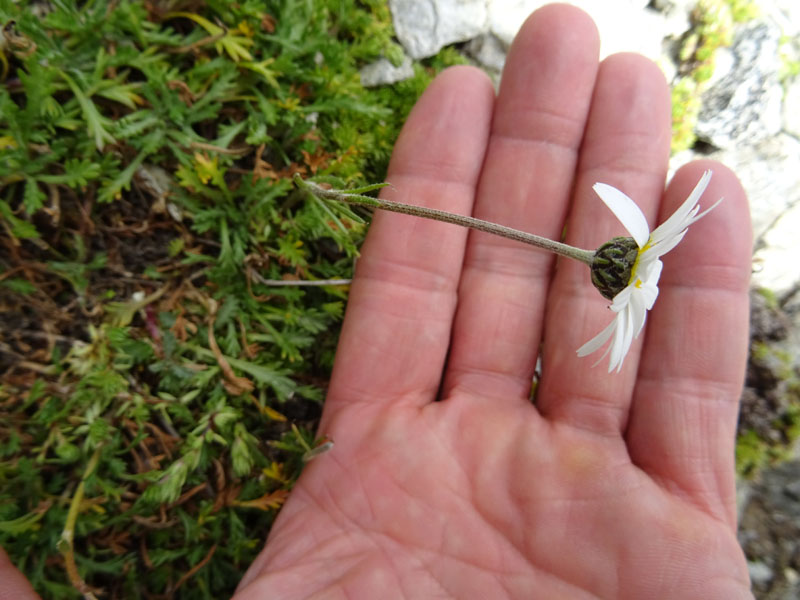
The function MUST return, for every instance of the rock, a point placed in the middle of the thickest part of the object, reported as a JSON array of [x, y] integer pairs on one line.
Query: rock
[[770, 533], [744, 106], [793, 489], [759, 572], [791, 108], [624, 25], [383, 72], [767, 321], [772, 370], [425, 26], [489, 51], [786, 13], [775, 262], [770, 172], [744, 491], [676, 15]]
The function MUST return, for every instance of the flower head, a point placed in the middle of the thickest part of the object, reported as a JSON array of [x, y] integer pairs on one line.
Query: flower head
[[630, 279]]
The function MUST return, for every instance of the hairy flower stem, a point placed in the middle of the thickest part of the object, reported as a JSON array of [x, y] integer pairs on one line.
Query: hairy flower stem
[[352, 197]]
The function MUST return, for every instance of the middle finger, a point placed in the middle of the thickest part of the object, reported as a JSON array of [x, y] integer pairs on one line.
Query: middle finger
[[526, 183]]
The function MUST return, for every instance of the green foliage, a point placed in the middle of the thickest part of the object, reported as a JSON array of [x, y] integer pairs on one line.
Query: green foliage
[[686, 105], [712, 28], [744, 10], [789, 55], [752, 454], [158, 395]]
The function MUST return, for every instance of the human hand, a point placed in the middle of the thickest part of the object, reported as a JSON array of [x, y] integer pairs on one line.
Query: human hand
[[608, 486]]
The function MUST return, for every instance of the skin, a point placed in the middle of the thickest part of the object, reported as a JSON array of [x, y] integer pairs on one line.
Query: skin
[[609, 486]]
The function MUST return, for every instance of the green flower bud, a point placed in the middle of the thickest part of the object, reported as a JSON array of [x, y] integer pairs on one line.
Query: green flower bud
[[612, 265]]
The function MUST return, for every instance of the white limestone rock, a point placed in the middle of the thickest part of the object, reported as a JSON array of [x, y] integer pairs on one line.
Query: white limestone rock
[[383, 72], [785, 13], [624, 25], [744, 106], [770, 173], [426, 26], [791, 108], [489, 51], [676, 14]]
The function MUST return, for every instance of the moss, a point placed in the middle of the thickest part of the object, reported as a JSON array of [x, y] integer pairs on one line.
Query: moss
[[752, 454], [712, 28], [686, 105], [789, 56], [770, 297], [743, 10]]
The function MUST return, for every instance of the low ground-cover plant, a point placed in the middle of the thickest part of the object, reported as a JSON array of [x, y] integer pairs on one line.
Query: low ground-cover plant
[[158, 390], [159, 393]]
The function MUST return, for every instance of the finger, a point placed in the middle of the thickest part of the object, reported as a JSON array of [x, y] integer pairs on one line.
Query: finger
[[537, 128], [13, 585], [627, 146], [397, 327], [683, 420]]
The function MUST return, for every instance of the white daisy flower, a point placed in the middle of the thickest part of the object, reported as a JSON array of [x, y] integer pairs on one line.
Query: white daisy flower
[[638, 258]]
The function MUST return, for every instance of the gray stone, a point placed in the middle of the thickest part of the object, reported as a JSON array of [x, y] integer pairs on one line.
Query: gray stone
[[676, 15], [791, 108], [724, 63], [745, 105], [770, 172], [770, 533], [624, 25], [489, 51], [785, 13], [383, 72], [759, 572], [744, 490], [425, 26], [793, 489]]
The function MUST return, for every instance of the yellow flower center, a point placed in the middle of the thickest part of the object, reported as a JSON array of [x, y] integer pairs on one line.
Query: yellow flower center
[[635, 266]]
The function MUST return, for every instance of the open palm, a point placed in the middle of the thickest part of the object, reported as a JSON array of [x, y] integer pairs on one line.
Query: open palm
[[606, 486]]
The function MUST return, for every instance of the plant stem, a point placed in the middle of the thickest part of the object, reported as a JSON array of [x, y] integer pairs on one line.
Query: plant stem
[[585, 256], [68, 534]]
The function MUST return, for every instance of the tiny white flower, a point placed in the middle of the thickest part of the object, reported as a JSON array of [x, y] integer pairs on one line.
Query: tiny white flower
[[632, 303]]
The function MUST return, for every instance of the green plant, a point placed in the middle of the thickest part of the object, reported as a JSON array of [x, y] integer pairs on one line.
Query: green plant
[[158, 392], [744, 10], [712, 28]]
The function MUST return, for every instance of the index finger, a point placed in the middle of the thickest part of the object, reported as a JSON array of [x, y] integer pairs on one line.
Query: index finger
[[397, 327]]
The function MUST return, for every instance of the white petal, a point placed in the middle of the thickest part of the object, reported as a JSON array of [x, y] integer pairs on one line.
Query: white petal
[[631, 306], [683, 217], [667, 244], [626, 211], [622, 341], [621, 300], [706, 211], [649, 295], [597, 341], [638, 312], [652, 274]]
